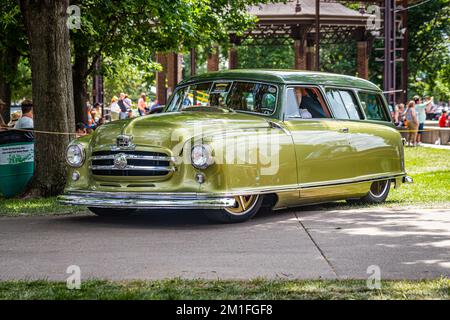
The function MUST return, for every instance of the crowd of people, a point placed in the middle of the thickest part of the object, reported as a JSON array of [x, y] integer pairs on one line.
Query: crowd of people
[[120, 108], [96, 115], [413, 117]]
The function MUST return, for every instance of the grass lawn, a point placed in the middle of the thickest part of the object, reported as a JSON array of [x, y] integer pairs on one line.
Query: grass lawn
[[25, 207], [429, 167], [203, 289]]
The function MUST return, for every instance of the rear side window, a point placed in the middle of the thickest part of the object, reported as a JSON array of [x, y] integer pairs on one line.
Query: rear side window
[[344, 104], [373, 106]]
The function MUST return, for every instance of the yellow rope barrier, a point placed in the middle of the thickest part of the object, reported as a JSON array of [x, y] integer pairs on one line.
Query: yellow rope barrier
[[69, 133], [39, 131]]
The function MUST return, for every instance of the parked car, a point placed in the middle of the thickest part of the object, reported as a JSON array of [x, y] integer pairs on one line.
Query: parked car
[[247, 139]]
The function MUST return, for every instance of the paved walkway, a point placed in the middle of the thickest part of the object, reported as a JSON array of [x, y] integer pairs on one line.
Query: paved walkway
[[407, 243], [435, 146]]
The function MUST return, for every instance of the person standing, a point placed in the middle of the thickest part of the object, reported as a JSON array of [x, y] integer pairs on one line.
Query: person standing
[[421, 112], [123, 108], [142, 105], [412, 124], [90, 117], [98, 112], [114, 108], [26, 120], [128, 102], [80, 130], [443, 119], [401, 115]]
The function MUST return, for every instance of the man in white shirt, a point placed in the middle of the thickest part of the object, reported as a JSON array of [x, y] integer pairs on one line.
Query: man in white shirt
[[26, 121]]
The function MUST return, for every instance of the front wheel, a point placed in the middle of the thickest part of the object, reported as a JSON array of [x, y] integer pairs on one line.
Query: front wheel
[[107, 212], [245, 208], [379, 191]]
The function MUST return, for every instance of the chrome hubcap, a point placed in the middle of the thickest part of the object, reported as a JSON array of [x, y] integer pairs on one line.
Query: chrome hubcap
[[378, 188], [243, 204]]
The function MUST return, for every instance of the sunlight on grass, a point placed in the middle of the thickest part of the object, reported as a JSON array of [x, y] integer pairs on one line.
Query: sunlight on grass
[[44, 206], [430, 169], [227, 289]]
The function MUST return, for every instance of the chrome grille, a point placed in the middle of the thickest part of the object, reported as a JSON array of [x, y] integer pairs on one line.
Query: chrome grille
[[131, 163]]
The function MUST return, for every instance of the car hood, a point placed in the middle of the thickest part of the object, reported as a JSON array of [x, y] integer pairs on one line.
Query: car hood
[[168, 130]]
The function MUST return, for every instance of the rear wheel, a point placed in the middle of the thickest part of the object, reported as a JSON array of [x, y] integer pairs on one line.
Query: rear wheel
[[107, 212], [245, 208], [378, 192]]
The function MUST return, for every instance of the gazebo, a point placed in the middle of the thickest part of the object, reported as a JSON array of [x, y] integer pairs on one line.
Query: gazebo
[[296, 23]]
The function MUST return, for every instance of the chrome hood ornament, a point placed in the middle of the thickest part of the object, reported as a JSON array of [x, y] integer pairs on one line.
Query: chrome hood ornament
[[123, 142]]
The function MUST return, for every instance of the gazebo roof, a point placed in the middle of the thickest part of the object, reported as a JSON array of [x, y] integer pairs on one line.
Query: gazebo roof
[[279, 23], [330, 13]]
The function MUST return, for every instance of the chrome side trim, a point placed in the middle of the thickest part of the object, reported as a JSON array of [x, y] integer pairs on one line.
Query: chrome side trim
[[130, 167], [111, 200], [133, 156], [348, 181], [187, 200]]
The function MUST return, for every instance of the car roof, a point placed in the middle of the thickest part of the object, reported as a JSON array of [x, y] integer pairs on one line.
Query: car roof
[[286, 77]]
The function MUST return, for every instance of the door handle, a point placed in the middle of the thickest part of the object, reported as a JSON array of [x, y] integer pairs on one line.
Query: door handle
[[344, 130]]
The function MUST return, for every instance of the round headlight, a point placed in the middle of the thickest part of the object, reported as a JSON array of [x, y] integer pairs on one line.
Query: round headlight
[[201, 156], [75, 155]]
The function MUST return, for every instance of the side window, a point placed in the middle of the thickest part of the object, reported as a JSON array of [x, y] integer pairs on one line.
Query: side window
[[351, 105], [306, 103], [373, 106], [336, 104], [344, 104], [252, 97]]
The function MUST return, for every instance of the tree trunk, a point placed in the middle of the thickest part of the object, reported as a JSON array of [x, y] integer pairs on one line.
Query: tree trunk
[[9, 59], [48, 36], [80, 95]]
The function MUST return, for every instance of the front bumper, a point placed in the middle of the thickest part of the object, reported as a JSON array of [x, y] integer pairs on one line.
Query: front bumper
[[122, 200]]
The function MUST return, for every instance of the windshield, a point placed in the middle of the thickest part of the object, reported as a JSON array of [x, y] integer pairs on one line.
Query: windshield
[[237, 95]]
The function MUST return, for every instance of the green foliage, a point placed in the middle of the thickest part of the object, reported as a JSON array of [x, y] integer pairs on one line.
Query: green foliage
[[21, 84], [13, 42], [125, 74], [429, 49], [339, 58], [273, 57], [12, 29], [135, 27]]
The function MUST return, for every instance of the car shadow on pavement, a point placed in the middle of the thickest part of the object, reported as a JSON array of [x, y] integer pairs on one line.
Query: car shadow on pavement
[[197, 218], [177, 219]]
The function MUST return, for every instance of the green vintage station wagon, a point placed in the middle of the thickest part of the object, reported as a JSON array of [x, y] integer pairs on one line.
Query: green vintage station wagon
[[233, 142]]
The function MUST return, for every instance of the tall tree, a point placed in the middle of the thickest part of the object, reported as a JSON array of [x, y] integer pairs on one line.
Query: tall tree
[[48, 36]]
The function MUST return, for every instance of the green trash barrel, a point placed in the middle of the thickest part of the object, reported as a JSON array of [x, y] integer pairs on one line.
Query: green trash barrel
[[16, 162]]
